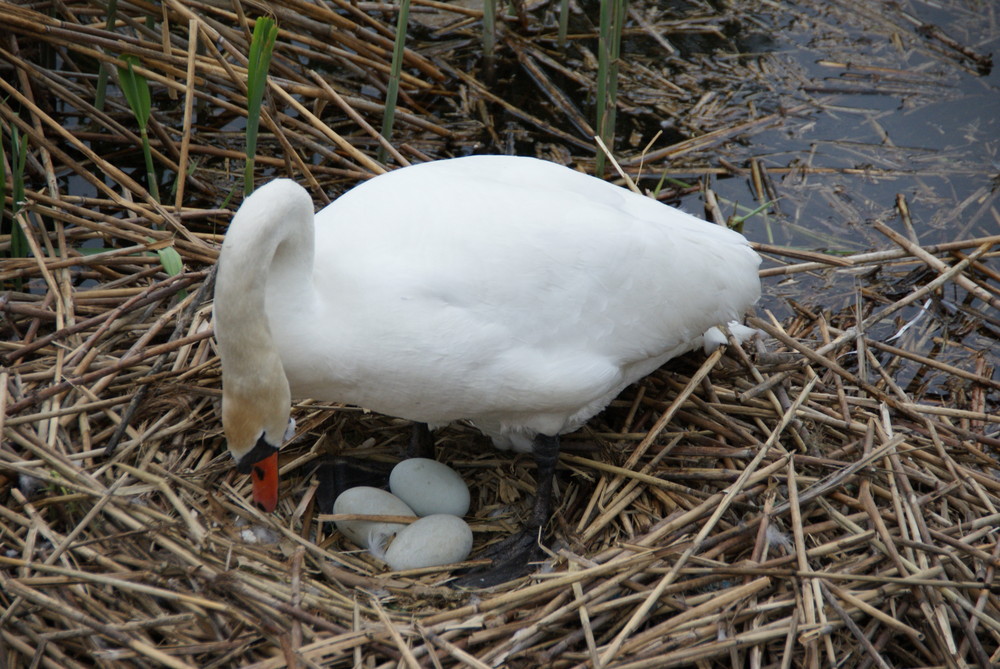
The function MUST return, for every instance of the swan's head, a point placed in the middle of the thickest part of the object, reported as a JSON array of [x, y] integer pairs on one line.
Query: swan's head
[[255, 392], [256, 425]]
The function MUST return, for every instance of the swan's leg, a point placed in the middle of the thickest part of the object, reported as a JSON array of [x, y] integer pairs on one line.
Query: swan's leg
[[338, 474], [511, 557], [421, 442], [546, 452]]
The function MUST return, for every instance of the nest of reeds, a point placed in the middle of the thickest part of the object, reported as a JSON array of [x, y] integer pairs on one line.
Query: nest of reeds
[[828, 494]]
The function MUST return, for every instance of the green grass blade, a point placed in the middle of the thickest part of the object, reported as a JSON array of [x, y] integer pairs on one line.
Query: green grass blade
[[147, 153], [19, 247], [3, 179], [171, 260], [172, 264], [489, 34], [392, 90], [563, 22], [19, 151], [736, 222], [612, 19], [227, 200], [102, 69], [603, 56], [265, 32], [618, 26], [136, 90]]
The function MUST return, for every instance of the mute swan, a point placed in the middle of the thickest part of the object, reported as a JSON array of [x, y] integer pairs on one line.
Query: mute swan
[[512, 292]]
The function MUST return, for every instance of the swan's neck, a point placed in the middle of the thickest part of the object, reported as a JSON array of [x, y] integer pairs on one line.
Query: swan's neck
[[267, 256]]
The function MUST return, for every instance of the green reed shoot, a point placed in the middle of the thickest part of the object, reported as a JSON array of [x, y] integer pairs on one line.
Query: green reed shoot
[[102, 70], [19, 158], [265, 32], [136, 90], [736, 222], [563, 22], [19, 247], [392, 90], [612, 20], [489, 34], [172, 264], [3, 178]]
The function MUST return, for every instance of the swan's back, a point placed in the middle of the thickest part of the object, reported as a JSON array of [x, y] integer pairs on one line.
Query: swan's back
[[513, 292]]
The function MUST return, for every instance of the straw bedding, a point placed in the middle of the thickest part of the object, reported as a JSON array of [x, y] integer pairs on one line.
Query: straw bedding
[[826, 494]]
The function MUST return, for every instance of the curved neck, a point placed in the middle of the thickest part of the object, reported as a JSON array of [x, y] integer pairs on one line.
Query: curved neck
[[267, 256]]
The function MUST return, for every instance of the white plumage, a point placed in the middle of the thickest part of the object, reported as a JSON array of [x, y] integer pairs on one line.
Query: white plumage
[[512, 292]]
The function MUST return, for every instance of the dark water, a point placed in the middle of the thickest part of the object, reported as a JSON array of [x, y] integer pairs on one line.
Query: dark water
[[885, 117], [889, 112]]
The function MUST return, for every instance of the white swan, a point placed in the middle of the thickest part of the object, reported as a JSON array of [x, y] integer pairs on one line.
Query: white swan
[[513, 292]]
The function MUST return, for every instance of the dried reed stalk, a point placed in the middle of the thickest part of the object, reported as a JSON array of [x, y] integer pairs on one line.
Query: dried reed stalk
[[829, 494]]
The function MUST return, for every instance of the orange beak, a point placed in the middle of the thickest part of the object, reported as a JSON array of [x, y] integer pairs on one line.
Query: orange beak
[[265, 482]]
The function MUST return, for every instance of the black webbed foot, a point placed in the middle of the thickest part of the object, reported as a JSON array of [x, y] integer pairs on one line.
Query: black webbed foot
[[512, 557]]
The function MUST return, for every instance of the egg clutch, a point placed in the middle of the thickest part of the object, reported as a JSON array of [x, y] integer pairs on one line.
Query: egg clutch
[[421, 488]]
